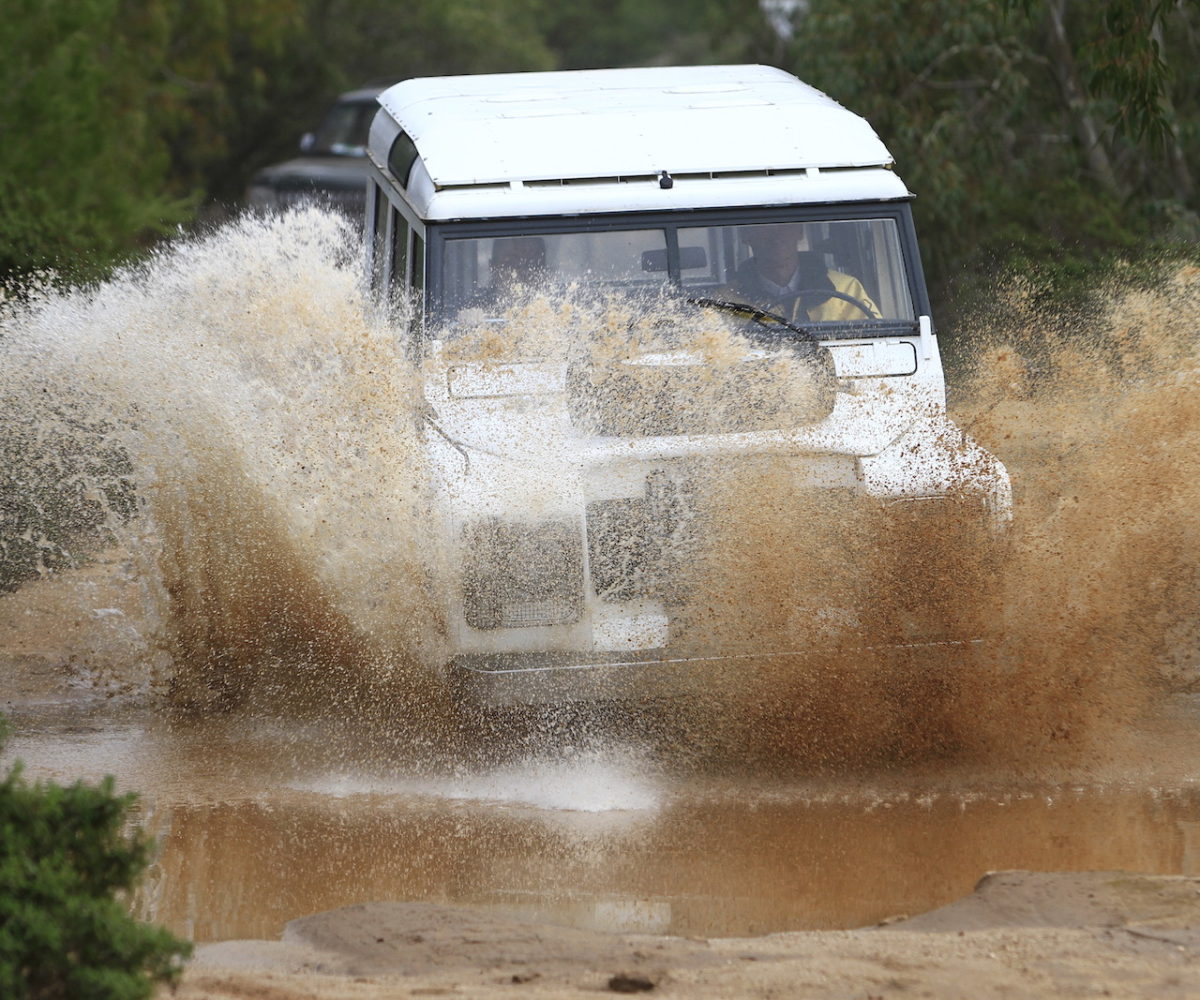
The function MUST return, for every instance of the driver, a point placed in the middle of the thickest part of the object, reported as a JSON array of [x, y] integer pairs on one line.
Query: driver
[[785, 277]]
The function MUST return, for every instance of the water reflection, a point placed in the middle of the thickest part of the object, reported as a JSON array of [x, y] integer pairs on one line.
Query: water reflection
[[714, 868], [261, 822]]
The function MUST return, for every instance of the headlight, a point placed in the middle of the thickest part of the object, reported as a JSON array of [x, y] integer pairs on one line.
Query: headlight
[[522, 575]]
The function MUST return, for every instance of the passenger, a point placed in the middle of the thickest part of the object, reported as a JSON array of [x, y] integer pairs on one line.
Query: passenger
[[785, 277]]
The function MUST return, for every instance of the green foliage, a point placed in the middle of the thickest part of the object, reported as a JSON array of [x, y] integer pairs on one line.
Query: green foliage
[[64, 857], [1129, 67], [1124, 59], [1031, 131], [351, 43], [82, 168], [125, 114], [628, 32]]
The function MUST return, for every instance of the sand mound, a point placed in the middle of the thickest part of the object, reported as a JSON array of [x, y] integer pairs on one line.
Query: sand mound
[[1019, 934], [1071, 899], [418, 938]]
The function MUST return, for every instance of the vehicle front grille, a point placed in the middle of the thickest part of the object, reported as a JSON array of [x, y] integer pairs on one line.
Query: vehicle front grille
[[639, 546], [633, 399], [738, 555], [522, 575]]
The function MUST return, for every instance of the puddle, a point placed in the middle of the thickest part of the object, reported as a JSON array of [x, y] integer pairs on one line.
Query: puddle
[[736, 868], [263, 824], [583, 785]]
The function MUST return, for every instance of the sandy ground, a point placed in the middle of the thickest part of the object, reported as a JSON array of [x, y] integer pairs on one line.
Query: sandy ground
[[82, 634], [1020, 934]]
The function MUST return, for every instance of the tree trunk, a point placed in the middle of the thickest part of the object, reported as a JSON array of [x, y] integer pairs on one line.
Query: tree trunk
[[1181, 173], [1087, 131]]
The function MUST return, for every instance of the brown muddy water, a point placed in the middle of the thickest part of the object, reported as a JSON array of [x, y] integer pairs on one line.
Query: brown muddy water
[[264, 821], [265, 506]]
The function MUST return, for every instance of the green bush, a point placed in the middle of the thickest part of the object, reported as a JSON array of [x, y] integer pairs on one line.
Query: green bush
[[64, 935]]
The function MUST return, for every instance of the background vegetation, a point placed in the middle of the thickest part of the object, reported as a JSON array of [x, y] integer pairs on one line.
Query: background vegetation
[[1035, 132], [1045, 136]]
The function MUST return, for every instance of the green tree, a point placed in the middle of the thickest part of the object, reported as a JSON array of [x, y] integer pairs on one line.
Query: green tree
[[1022, 129], [352, 43], [82, 169], [629, 32], [1126, 62], [213, 70], [1116, 53], [123, 115], [64, 856]]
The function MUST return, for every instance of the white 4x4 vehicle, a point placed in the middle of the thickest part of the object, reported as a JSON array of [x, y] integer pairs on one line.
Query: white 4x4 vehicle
[[720, 317]]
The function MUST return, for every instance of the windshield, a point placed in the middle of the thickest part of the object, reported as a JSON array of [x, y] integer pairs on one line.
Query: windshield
[[345, 128], [836, 271], [819, 272], [485, 272]]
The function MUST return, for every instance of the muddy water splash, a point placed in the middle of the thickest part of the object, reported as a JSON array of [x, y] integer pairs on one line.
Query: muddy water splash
[[267, 421], [270, 426], [1085, 611], [1099, 418], [1088, 609]]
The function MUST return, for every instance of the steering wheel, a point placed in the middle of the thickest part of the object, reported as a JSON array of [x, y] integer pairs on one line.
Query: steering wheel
[[785, 302]]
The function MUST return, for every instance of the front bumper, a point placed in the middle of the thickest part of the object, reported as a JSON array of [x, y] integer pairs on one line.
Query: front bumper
[[512, 680]]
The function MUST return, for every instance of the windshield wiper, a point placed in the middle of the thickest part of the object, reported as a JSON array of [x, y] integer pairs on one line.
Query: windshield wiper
[[765, 320]]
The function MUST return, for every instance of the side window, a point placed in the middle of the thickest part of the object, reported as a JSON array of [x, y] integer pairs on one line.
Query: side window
[[401, 158], [418, 263], [378, 238], [399, 262], [398, 259]]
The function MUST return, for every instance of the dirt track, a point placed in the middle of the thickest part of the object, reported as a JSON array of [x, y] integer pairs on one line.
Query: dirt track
[[1019, 935]]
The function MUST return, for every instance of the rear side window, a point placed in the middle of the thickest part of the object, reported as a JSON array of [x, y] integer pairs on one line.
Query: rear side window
[[379, 237], [399, 248], [418, 263], [401, 158]]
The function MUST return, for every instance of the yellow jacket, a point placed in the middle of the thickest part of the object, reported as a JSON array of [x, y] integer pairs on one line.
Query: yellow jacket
[[815, 304]]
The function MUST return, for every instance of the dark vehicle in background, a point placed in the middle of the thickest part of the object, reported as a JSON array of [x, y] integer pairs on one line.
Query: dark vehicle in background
[[333, 168]]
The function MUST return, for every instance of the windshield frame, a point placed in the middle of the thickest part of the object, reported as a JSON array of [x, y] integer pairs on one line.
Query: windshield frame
[[900, 212]]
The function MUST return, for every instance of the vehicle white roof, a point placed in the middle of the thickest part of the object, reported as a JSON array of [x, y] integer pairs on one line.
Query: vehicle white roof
[[618, 123]]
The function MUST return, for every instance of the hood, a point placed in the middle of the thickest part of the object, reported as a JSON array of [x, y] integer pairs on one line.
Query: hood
[[336, 173]]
